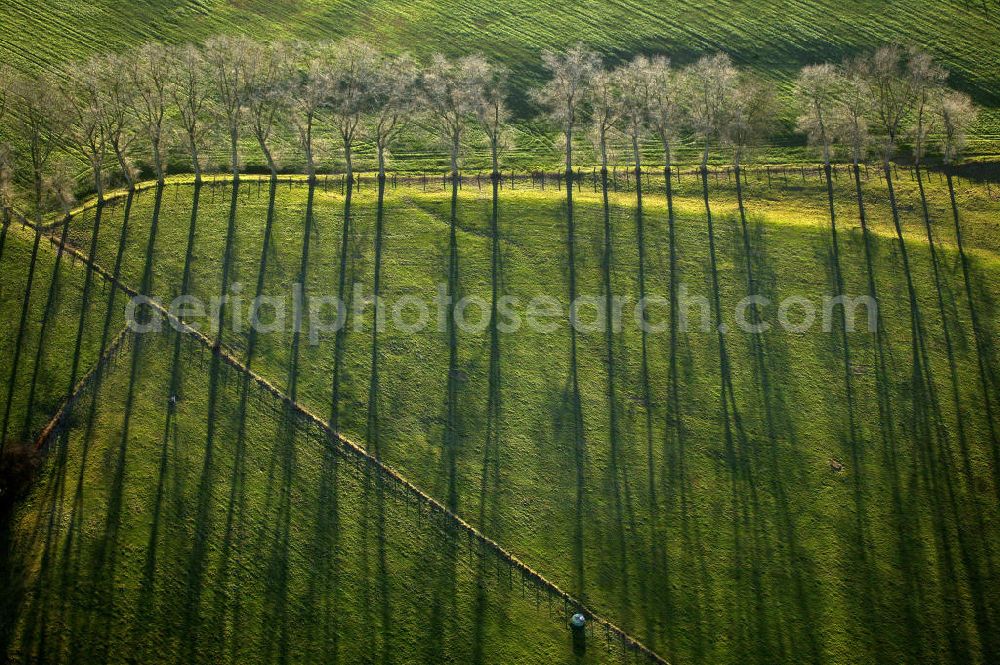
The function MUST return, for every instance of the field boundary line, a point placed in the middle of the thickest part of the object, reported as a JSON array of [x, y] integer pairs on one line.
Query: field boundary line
[[82, 386], [351, 450]]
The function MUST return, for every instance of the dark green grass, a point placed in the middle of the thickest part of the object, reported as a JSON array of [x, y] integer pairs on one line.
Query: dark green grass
[[775, 40], [879, 562]]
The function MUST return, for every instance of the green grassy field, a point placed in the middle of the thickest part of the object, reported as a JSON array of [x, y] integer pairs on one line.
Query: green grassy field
[[762, 553], [773, 40], [160, 537]]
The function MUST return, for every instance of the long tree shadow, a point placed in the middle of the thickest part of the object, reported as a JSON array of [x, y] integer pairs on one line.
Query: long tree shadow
[[491, 473], [19, 340], [909, 548], [759, 638], [452, 435], [228, 618], [107, 549], [71, 563], [960, 416], [377, 601], [676, 483], [71, 551], [275, 619], [982, 357], [373, 429], [147, 584], [193, 624], [618, 468], [571, 395], [861, 548], [51, 304], [490, 479], [766, 359], [341, 334], [655, 587], [374, 483], [934, 456], [301, 284], [39, 621]]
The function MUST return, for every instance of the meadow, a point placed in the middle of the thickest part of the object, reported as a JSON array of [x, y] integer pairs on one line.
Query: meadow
[[789, 496]]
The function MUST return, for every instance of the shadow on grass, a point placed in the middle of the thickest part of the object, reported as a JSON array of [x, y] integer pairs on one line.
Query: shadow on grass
[[51, 304], [570, 411], [618, 468], [198, 557]]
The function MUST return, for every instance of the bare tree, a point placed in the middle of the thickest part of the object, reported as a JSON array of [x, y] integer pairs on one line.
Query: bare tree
[[492, 111], [927, 79], [392, 93], [227, 58], [452, 90], [119, 110], [892, 94], [188, 87], [565, 93], [664, 108], [748, 114], [40, 126], [307, 94], [82, 91], [852, 110], [352, 63], [708, 83], [664, 118], [148, 71], [819, 89], [956, 113], [636, 81], [602, 94], [268, 69]]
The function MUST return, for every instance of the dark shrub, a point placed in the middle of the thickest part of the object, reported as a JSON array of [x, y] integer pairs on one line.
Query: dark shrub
[[18, 464]]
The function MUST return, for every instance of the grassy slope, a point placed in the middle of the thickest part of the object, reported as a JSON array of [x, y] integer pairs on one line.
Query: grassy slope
[[776, 40], [801, 561], [161, 539], [53, 372]]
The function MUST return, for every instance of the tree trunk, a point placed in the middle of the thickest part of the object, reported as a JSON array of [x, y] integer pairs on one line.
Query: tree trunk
[[157, 160], [569, 149], [195, 159], [637, 157], [4, 226], [349, 159], [267, 156], [455, 145], [98, 180], [123, 163], [38, 196], [234, 157]]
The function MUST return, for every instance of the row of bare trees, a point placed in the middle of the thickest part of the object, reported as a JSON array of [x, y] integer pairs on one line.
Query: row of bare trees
[[876, 100], [112, 111]]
